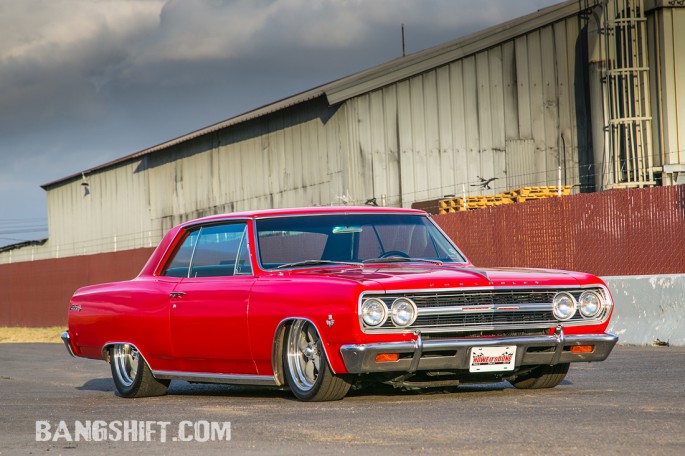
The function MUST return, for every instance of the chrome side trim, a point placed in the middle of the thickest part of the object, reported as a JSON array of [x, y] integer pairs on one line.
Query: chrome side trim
[[67, 342], [531, 351], [229, 379], [456, 310]]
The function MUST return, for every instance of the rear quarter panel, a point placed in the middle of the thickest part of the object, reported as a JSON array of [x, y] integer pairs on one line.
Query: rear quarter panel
[[135, 312]]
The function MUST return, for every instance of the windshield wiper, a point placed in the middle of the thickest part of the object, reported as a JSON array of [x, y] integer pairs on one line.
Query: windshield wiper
[[304, 263], [400, 259]]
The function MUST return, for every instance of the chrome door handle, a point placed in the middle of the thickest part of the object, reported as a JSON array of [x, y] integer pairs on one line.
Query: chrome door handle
[[176, 294]]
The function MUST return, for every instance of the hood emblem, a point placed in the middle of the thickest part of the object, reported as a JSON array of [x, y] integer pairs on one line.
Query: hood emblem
[[75, 307]]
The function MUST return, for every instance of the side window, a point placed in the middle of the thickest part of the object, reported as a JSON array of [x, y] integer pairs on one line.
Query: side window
[[216, 250], [180, 263], [242, 264]]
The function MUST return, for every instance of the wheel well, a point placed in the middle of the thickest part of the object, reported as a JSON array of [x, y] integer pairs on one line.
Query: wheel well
[[108, 345], [277, 351]]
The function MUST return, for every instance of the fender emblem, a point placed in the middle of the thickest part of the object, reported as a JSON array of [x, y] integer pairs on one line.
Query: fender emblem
[[75, 307], [330, 322]]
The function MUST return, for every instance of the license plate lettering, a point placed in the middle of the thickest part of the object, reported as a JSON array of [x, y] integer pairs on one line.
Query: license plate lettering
[[492, 359]]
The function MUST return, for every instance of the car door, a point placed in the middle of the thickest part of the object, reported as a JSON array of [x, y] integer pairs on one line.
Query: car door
[[208, 307]]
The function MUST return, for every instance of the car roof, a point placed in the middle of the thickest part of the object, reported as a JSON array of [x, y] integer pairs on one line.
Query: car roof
[[322, 210]]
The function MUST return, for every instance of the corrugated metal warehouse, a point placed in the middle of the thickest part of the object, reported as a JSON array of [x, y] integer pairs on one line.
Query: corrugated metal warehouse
[[588, 92]]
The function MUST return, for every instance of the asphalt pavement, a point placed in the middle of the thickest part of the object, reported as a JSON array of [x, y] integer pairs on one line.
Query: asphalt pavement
[[633, 403]]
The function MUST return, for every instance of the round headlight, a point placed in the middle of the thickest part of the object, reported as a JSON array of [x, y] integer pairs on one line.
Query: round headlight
[[564, 306], [403, 312], [374, 312], [590, 304]]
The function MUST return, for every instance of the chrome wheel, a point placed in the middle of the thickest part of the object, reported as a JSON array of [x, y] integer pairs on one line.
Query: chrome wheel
[[303, 352], [306, 368], [131, 374], [126, 362]]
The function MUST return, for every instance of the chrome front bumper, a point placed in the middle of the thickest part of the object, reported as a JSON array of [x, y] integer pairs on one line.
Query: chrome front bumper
[[455, 353], [67, 341]]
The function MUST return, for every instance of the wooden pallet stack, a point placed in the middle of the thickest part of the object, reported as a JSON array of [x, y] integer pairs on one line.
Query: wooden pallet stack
[[519, 195], [534, 193]]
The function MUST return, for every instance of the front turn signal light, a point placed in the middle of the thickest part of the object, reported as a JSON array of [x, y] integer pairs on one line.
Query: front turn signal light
[[387, 357], [582, 348]]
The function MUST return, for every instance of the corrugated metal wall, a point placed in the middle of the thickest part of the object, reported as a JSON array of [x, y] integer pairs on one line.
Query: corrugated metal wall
[[515, 112], [666, 28], [112, 213], [290, 158]]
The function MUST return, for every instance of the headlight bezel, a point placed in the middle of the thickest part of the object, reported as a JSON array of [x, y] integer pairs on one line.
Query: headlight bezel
[[597, 311], [556, 303], [395, 309], [363, 312]]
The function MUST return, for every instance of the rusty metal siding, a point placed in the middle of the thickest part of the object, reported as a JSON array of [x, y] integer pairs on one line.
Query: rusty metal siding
[[618, 232], [475, 117], [36, 294]]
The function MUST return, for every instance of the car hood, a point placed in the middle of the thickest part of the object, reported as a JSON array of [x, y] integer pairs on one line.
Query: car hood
[[419, 276]]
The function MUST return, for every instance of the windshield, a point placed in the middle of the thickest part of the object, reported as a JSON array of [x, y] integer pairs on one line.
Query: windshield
[[351, 238]]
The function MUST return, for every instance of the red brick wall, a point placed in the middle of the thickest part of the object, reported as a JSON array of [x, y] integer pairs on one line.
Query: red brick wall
[[618, 232], [36, 293]]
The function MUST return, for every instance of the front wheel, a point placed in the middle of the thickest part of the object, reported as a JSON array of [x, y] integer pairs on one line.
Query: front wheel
[[541, 377], [131, 374], [306, 368]]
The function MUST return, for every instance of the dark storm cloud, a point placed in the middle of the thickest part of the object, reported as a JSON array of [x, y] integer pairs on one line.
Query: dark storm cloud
[[86, 81]]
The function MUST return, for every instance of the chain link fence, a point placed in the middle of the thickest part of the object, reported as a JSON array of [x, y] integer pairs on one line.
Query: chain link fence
[[611, 233]]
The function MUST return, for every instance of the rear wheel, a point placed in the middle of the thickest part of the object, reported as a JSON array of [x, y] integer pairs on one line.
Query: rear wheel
[[131, 374], [306, 368], [542, 377]]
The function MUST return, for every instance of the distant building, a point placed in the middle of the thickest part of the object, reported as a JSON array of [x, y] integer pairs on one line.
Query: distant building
[[592, 88]]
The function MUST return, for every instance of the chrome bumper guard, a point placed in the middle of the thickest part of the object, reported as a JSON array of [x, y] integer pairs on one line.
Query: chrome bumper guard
[[66, 339], [454, 353]]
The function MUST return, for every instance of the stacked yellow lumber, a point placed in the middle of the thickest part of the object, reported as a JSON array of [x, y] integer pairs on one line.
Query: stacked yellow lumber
[[519, 195]]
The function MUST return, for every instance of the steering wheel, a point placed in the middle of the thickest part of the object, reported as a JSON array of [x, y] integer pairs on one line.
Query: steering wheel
[[394, 253]]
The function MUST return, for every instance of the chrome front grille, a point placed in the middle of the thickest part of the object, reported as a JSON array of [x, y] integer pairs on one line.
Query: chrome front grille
[[480, 310], [481, 298], [483, 318]]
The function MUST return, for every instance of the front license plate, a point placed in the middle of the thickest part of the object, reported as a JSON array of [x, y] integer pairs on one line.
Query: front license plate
[[492, 359]]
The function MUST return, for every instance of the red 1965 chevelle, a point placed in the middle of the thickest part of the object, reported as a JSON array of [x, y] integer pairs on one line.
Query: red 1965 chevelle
[[323, 299]]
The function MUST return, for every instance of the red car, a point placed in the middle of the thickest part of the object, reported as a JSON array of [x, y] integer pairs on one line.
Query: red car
[[323, 299]]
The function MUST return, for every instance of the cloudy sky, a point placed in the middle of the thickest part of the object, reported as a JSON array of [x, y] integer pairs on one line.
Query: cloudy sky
[[83, 82]]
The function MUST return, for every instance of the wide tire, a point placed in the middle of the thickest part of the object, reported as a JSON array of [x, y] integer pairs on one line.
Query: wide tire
[[131, 374], [306, 367], [542, 377]]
